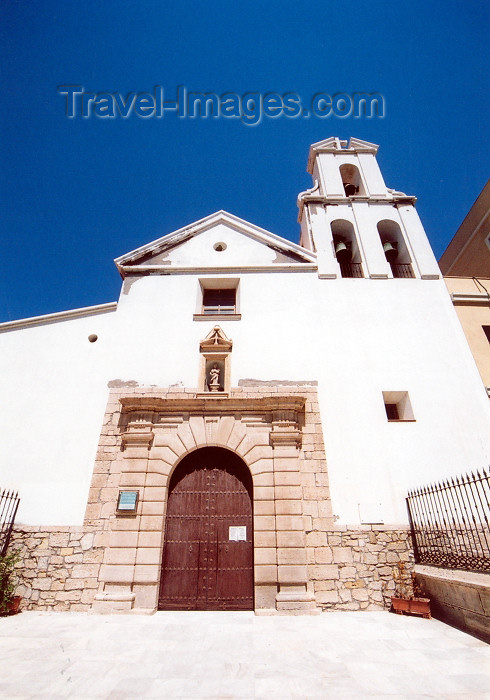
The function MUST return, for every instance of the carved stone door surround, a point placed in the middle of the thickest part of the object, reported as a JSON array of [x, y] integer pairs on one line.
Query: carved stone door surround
[[155, 434]]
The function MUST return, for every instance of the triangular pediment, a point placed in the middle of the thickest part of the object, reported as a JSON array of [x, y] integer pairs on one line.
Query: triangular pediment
[[219, 241], [216, 340], [331, 142], [359, 145], [333, 145]]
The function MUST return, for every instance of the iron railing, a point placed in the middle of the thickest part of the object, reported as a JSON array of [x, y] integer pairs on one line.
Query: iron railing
[[9, 502], [351, 269], [402, 270], [450, 522]]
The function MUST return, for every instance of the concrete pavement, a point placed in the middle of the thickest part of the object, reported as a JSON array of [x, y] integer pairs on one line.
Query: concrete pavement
[[238, 655]]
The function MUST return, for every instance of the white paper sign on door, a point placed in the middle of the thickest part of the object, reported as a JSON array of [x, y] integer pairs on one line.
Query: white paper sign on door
[[238, 534]]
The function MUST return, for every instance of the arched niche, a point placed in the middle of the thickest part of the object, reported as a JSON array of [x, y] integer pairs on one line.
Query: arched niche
[[346, 248], [351, 180], [395, 248]]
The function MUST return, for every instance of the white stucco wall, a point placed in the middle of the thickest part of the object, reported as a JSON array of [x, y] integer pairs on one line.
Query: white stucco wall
[[54, 391], [356, 337]]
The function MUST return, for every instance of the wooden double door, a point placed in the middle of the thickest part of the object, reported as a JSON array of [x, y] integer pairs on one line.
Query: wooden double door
[[208, 553]]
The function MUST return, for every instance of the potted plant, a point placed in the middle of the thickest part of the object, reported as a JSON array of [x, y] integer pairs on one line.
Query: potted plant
[[407, 598], [9, 603]]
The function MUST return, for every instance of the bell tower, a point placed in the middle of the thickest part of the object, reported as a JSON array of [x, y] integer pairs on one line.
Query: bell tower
[[357, 226]]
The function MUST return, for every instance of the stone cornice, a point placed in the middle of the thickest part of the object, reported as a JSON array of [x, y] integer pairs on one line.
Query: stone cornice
[[128, 262], [339, 199], [334, 200], [281, 415], [135, 438], [212, 405], [285, 434], [471, 299], [175, 269], [59, 316]]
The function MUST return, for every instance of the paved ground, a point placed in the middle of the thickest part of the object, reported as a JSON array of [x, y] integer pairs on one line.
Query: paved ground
[[237, 655]]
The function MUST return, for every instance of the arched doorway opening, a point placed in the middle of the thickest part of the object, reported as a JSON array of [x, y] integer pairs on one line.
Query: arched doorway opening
[[207, 561]]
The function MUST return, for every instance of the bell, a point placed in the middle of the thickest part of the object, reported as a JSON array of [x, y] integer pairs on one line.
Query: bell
[[391, 253], [342, 251], [350, 189]]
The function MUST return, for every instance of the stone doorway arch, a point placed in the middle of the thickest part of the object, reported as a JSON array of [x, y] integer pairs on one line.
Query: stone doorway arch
[[207, 561], [153, 433]]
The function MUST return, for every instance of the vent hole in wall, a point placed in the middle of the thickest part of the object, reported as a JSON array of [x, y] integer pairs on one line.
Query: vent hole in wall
[[220, 246], [92, 338]]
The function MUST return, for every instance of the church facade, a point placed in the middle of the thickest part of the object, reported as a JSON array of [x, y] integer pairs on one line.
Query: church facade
[[240, 430]]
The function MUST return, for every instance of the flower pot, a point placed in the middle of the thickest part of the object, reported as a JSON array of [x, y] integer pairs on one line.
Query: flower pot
[[415, 606], [420, 606], [400, 605], [13, 606]]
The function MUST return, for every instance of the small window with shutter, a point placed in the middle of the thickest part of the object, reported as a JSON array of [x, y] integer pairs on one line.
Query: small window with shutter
[[398, 406], [392, 411], [219, 302], [218, 298]]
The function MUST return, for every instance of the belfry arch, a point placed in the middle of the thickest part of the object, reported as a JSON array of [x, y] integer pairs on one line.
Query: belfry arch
[[256, 439]]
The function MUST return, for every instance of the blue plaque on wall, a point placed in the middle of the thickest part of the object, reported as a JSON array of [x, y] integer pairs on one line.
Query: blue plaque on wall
[[127, 501]]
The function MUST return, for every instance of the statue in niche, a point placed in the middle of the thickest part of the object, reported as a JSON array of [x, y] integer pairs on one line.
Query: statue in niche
[[213, 383]]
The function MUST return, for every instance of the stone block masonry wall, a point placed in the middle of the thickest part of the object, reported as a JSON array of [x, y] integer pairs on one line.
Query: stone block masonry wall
[[352, 569], [59, 567]]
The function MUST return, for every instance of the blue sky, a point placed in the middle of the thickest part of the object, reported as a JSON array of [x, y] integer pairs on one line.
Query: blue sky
[[76, 193]]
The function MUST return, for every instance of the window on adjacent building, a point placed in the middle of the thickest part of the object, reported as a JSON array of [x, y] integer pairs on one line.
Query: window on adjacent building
[[398, 406], [486, 330]]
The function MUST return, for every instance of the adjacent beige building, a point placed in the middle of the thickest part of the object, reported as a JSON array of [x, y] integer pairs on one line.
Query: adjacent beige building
[[466, 267]]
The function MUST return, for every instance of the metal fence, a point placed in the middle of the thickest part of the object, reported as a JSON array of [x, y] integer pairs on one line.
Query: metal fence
[[9, 502], [350, 269], [402, 270], [450, 522]]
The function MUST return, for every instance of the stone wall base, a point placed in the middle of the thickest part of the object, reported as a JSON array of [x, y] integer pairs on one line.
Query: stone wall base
[[348, 568], [60, 566], [351, 567], [459, 598]]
